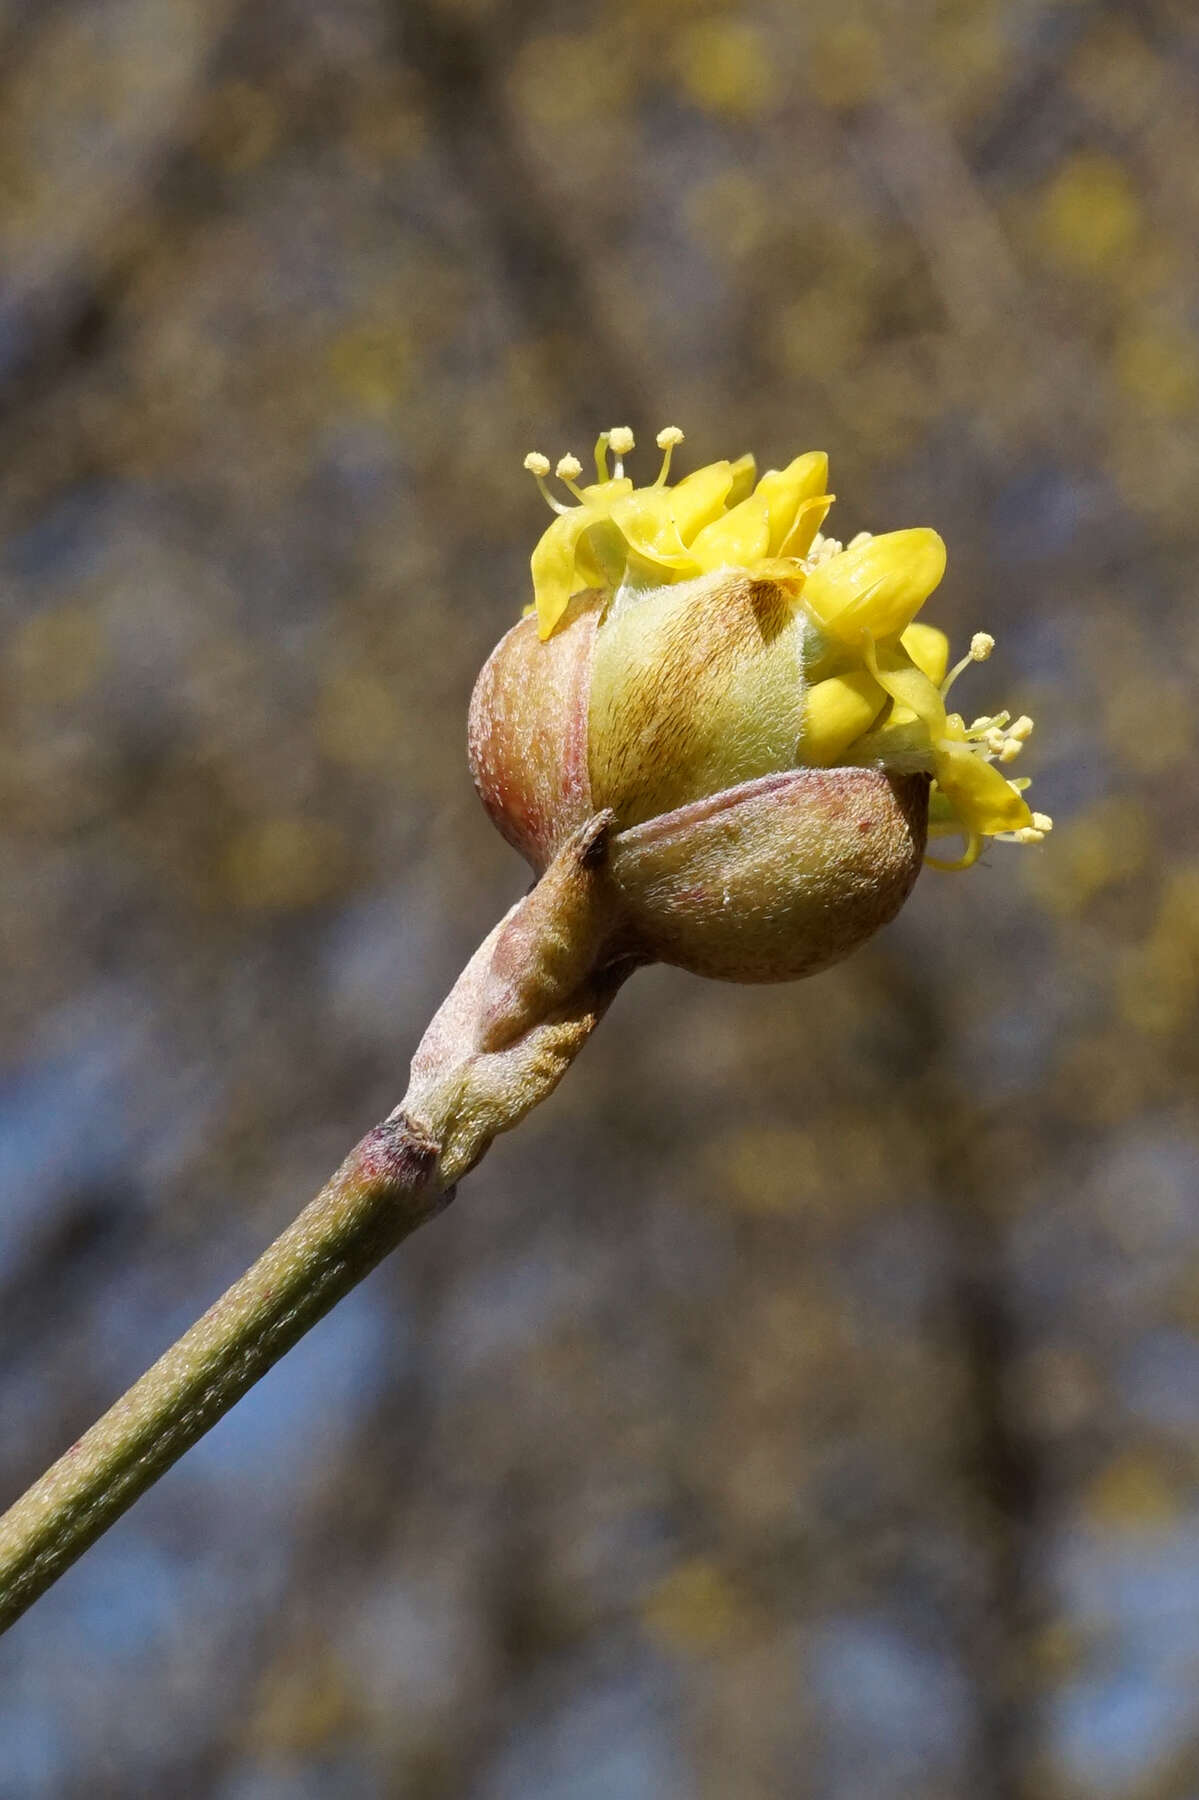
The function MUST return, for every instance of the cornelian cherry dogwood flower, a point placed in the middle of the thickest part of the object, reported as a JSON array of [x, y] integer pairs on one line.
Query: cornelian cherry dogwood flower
[[864, 683]]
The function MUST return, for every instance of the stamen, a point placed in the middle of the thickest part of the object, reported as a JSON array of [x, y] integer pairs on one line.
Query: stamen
[[539, 467], [863, 537], [981, 646], [992, 737], [822, 550], [968, 858], [668, 437], [621, 441], [1036, 833], [568, 471]]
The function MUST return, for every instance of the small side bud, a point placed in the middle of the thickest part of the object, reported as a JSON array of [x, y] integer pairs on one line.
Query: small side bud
[[551, 943]]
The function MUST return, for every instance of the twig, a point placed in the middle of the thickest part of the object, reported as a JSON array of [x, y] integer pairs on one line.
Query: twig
[[382, 1192], [513, 1023]]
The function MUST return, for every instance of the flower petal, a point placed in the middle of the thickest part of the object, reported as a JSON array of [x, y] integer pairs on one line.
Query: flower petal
[[737, 540], [700, 497], [838, 711], [977, 792], [605, 494], [907, 685], [785, 490], [877, 586], [601, 556], [647, 520], [808, 520], [555, 575], [744, 471], [929, 650]]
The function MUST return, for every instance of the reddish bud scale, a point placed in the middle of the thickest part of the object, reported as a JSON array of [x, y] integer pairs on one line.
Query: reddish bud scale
[[527, 732]]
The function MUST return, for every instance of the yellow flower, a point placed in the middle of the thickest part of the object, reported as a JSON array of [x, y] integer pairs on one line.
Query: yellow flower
[[970, 797], [870, 679], [630, 539]]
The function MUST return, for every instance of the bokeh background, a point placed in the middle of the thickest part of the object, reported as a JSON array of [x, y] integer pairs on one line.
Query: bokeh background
[[805, 1402]]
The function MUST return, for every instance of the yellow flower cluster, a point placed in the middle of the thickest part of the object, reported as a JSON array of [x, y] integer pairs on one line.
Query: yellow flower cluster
[[877, 679], [620, 536]]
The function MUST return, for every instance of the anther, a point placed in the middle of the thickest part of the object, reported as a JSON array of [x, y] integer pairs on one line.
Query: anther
[[537, 464], [620, 440], [822, 550]]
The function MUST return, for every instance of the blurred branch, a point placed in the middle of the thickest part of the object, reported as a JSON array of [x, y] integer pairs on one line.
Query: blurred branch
[[82, 1236], [459, 65], [66, 298], [1030, 110], [1001, 1464]]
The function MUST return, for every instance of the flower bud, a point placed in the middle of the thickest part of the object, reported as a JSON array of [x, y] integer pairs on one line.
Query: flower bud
[[755, 711]]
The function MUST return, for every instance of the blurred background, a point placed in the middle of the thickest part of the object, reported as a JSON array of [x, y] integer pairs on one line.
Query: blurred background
[[805, 1402]]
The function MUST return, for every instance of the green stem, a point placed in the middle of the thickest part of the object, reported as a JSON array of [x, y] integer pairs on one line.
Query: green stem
[[385, 1188]]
